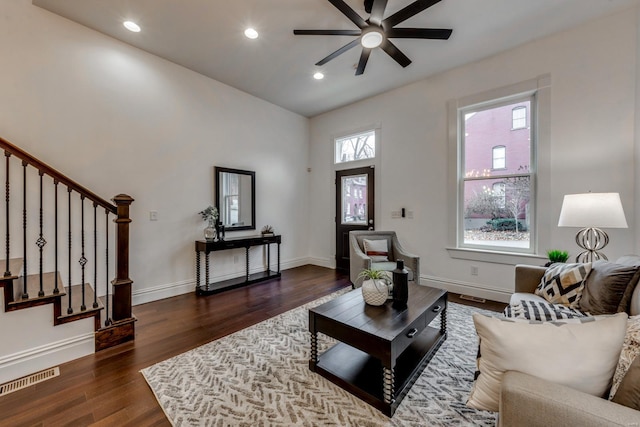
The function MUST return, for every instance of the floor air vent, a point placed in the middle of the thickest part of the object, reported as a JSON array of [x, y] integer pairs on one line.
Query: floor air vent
[[472, 298], [29, 380]]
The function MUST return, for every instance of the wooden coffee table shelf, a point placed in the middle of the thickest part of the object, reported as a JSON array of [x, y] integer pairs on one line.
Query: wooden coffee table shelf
[[382, 350]]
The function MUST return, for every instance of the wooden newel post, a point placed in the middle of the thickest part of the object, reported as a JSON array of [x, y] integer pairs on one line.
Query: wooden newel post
[[122, 282]]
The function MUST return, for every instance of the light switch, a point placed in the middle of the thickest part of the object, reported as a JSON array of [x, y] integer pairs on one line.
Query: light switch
[[153, 215]]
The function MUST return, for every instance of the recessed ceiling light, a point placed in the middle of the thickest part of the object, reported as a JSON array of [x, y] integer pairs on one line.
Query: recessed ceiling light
[[318, 76], [131, 26], [371, 39], [251, 33]]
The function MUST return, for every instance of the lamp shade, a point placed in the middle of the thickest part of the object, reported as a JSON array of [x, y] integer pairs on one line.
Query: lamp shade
[[601, 210]]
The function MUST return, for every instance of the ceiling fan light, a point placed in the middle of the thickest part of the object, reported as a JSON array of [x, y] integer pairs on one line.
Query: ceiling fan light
[[371, 39]]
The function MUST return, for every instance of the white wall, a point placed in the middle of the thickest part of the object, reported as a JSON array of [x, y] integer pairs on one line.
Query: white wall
[[119, 120], [593, 78]]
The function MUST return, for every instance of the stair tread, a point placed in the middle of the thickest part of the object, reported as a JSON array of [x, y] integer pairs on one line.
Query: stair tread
[[33, 288], [76, 302], [15, 267]]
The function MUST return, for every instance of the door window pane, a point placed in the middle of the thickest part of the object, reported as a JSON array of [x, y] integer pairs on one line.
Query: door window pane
[[354, 199]]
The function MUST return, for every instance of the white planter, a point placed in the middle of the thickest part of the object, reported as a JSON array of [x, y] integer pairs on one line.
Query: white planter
[[375, 292]]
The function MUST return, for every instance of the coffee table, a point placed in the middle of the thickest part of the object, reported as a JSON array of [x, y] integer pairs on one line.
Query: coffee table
[[381, 350]]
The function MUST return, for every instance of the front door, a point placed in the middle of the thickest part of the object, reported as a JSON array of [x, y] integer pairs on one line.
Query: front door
[[354, 209]]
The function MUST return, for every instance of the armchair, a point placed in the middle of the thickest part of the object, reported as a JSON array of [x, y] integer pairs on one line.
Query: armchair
[[360, 261]]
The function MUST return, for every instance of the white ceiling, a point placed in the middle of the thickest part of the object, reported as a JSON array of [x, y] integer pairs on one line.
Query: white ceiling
[[207, 36]]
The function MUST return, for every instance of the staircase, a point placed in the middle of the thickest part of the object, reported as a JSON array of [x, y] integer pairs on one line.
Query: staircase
[[62, 251]]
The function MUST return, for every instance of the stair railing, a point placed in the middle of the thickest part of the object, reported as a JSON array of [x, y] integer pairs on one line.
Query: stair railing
[[118, 304]]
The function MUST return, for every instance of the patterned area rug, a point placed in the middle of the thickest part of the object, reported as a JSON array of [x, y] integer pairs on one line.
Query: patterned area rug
[[260, 376]]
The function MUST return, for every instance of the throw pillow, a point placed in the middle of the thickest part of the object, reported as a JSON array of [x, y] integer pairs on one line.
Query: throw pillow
[[540, 310], [628, 393], [377, 250], [630, 351], [563, 283], [578, 353], [605, 287]]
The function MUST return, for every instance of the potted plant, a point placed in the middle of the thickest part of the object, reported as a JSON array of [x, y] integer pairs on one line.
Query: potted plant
[[210, 214], [375, 286], [267, 230], [556, 255]]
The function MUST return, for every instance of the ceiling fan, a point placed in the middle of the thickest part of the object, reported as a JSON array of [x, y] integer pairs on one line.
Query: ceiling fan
[[377, 31]]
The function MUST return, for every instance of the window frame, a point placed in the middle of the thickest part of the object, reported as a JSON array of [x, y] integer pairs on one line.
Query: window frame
[[346, 164], [541, 124]]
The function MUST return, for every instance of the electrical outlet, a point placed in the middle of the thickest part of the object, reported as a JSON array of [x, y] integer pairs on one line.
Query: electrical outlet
[[153, 215], [396, 214], [410, 214], [474, 270]]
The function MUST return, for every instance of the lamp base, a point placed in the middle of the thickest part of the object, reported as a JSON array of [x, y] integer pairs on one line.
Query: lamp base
[[592, 240]]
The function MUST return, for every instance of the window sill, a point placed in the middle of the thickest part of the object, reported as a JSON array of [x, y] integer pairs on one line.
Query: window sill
[[496, 257]]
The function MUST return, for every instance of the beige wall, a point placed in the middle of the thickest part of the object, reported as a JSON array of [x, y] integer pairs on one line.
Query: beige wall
[[593, 80]]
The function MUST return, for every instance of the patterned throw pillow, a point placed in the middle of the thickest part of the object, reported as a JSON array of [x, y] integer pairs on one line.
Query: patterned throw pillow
[[563, 283], [376, 250], [541, 311], [630, 350]]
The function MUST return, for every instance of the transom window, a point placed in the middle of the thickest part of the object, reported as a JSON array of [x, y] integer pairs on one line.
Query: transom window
[[360, 146], [497, 198]]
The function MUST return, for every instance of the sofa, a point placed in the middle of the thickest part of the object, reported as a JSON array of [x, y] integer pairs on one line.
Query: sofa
[[526, 400]]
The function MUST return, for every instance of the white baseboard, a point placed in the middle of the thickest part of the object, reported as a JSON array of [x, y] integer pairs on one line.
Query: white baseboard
[[467, 288], [323, 262], [18, 365], [168, 290]]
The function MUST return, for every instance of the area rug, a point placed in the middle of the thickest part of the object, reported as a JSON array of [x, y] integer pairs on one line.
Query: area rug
[[260, 376]]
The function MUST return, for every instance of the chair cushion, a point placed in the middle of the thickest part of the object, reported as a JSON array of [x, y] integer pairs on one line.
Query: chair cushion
[[377, 250], [564, 283], [389, 266]]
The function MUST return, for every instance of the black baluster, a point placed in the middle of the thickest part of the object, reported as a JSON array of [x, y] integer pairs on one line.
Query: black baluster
[[41, 241], [55, 289], [95, 255], [82, 261], [69, 309], [107, 320], [25, 294], [7, 270]]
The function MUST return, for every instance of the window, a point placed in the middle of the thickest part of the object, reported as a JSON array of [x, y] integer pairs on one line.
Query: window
[[355, 147], [519, 117], [499, 157], [496, 199]]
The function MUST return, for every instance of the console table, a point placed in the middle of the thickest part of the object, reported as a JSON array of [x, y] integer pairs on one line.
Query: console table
[[207, 247]]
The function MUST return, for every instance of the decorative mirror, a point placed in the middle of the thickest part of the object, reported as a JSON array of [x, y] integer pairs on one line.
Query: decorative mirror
[[236, 198]]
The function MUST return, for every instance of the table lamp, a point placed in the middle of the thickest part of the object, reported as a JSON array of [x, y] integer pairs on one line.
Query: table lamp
[[592, 212]]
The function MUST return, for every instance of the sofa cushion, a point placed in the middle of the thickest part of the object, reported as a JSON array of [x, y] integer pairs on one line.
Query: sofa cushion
[[377, 250], [628, 393], [606, 286], [630, 351], [540, 310], [389, 266], [563, 283], [579, 353]]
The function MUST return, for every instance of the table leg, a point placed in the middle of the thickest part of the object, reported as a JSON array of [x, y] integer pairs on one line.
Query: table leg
[[278, 258], [443, 321], [247, 255], [197, 270], [388, 386], [206, 269], [268, 258], [313, 357]]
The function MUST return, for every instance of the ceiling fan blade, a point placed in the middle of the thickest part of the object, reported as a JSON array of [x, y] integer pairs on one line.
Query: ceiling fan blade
[[406, 13], [364, 57], [349, 13], [395, 53], [419, 33], [340, 51], [377, 11], [327, 32]]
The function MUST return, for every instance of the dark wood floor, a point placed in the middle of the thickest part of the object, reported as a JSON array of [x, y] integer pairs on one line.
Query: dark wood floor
[[107, 389]]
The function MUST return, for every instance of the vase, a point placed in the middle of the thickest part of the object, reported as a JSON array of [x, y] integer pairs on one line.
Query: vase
[[210, 232], [375, 291], [400, 285]]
